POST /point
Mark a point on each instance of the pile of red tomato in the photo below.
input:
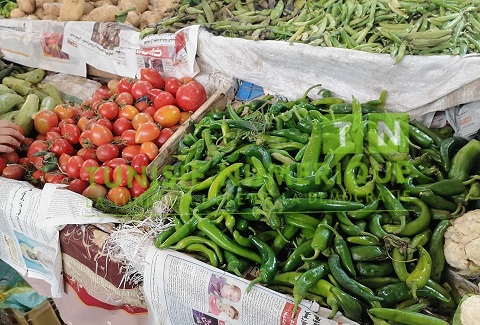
(102, 148)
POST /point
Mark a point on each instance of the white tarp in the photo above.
(417, 85)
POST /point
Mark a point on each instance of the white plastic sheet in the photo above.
(417, 85)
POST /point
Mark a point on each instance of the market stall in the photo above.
(335, 196)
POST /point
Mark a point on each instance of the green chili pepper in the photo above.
(446, 187)
(406, 317)
(394, 293)
(378, 282)
(221, 178)
(376, 222)
(205, 252)
(281, 240)
(184, 207)
(200, 172)
(260, 153)
(321, 237)
(295, 258)
(301, 220)
(399, 264)
(244, 241)
(436, 136)
(422, 238)
(367, 211)
(291, 134)
(413, 227)
(317, 205)
(312, 150)
(417, 136)
(222, 240)
(368, 253)
(447, 149)
(364, 240)
(436, 201)
(350, 285)
(421, 273)
(234, 264)
(241, 224)
(161, 237)
(435, 249)
(393, 206)
(341, 248)
(351, 307)
(185, 230)
(269, 263)
(464, 160)
(383, 268)
(306, 281)
(350, 178)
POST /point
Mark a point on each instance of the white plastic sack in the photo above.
(417, 85)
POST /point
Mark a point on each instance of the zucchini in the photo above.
(9, 101)
(5, 90)
(24, 117)
(9, 116)
(48, 103)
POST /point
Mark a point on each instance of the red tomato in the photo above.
(165, 134)
(139, 163)
(52, 135)
(66, 121)
(100, 134)
(167, 116)
(125, 85)
(164, 98)
(65, 111)
(86, 106)
(140, 88)
(87, 153)
(25, 162)
(63, 160)
(101, 93)
(150, 149)
(150, 110)
(152, 93)
(138, 187)
(62, 146)
(14, 172)
(124, 98)
(152, 76)
(77, 185)
(38, 177)
(119, 195)
(83, 122)
(89, 167)
(85, 139)
(141, 105)
(103, 175)
(95, 191)
(185, 80)
(108, 110)
(107, 152)
(71, 132)
(123, 175)
(40, 137)
(37, 147)
(3, 163)
(12, 157)
(105, 122)
(128, 111)
(55, 178)
(115, 162)
(172, 84)
(191, 96)
(141, 118)
(74, 164)
(44, 121)
(120, 125)
(130, 152)
(128, 137)
(147, 132)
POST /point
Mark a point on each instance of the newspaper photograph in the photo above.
(30, 220)
(181, 290)
(38, 44)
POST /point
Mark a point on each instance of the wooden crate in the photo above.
(165, 154)
(45, 314)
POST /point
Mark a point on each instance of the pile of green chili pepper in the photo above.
(6, 6)
(348, 219)
(381, 26)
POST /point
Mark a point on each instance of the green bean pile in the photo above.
(337, 221)
(397, 27)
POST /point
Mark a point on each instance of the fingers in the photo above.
(6, 149)
(9, 129)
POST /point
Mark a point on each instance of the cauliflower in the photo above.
(462, 244)
(467, 311)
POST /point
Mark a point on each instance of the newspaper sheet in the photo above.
(30, 220)
(38, 44)
(118, 49)
(181, 290)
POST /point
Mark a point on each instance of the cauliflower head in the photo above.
(467, 311)
(462, 244)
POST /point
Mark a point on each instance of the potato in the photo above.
(103, 14)
(87, 8)
(72, 10)
(16, 13)
(40, 3)
(140, 5)
(133, 18)
(52, 9)
(149, 17)
(50, 17)
(102, 3)
(27, 6)
(39, 12)
(32, 17)
(164, 5)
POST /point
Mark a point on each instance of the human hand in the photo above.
(10, 137)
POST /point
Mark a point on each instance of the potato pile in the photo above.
(142, 12)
